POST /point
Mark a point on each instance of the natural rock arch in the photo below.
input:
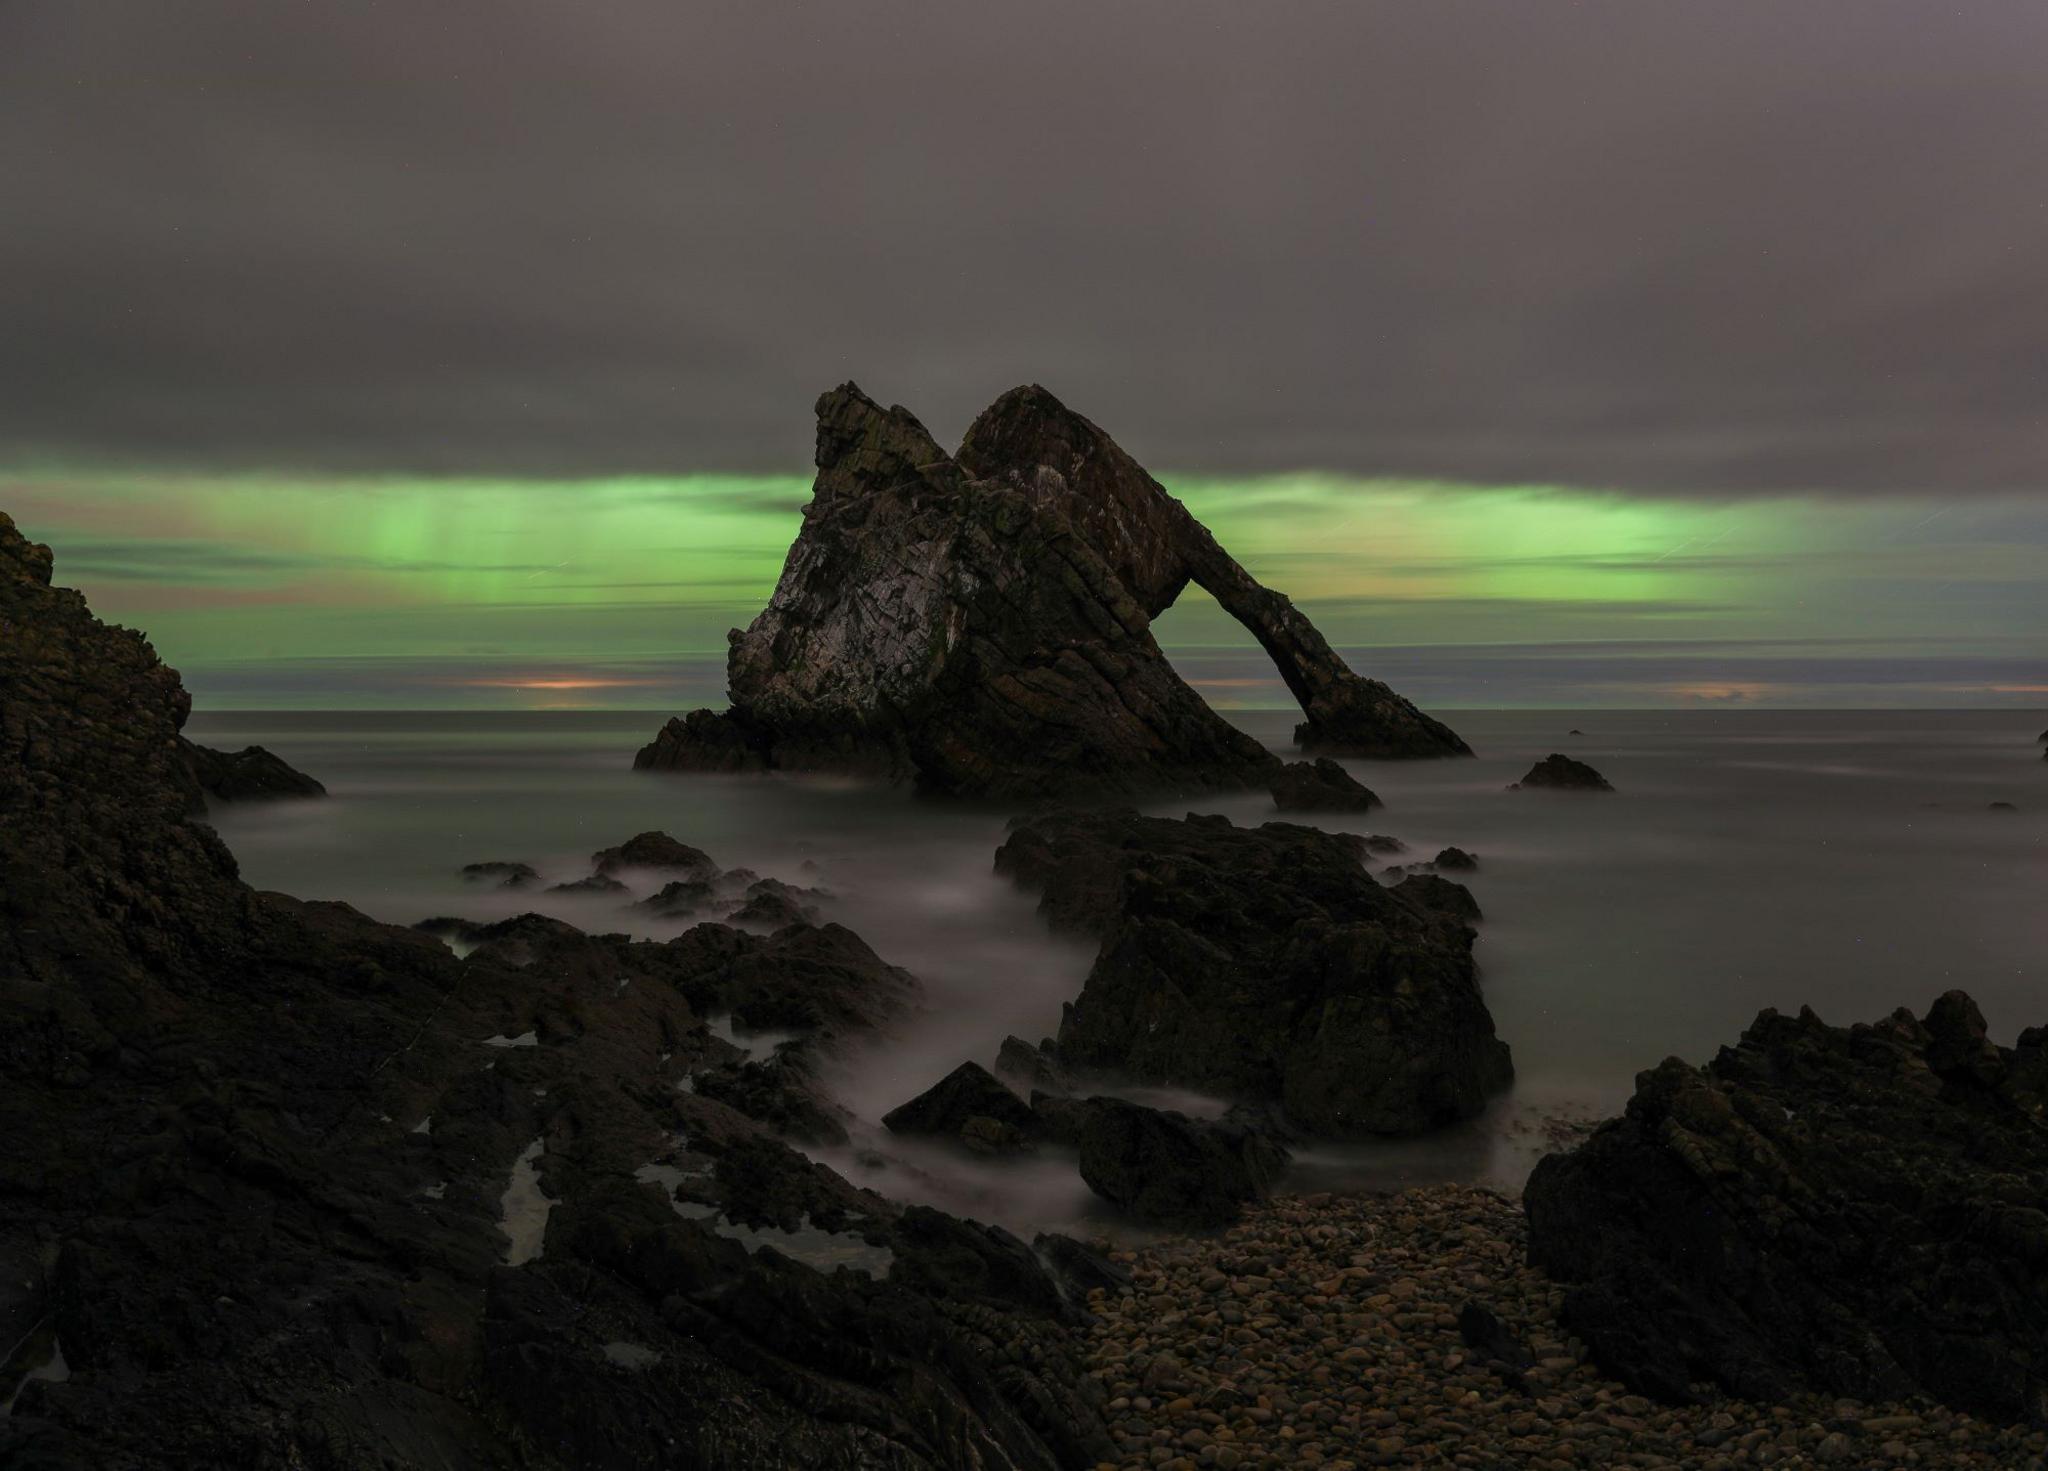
(982, 622)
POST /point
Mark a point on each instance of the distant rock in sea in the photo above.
(1852, 1211)
(1320, 785)
(252, 774)
(1562, 773)
(1264, 964)
(982, 623)
(1454, 860)
(507, 875)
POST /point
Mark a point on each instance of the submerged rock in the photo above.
(1163, 1167)
(506, 875)
(1266, 964)
(1562, 773)
(252, 774)
(271, 1163)
(982, 623)
(968, 1107)
(1319, 786)
(1855, 1211)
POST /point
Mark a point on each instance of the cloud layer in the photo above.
(1680, 248)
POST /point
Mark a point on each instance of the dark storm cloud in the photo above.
(1725, 245)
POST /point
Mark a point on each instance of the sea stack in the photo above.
(981, 623)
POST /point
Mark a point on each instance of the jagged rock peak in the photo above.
(983, 623)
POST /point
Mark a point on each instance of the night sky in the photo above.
(1620, 354)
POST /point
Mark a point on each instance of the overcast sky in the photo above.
(1711, 247)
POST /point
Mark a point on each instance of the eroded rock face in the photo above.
(298, 1189)
(982, 623)
(1263, 964)
(1850, 1210)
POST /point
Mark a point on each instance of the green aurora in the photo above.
(362, 592)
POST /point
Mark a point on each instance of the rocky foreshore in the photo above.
(1326, 1332)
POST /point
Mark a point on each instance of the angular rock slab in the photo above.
(1856, 1211)
(983, 624)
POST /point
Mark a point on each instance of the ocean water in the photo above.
(1850, 861)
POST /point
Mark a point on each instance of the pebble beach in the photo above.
(1324, 1331)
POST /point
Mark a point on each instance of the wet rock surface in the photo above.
(252, 774)
(1263, 964)
(982, 623)
(1338, 1332)
(295, 1189)
(1320, 786)
(1561, 773)
(1845, 1210)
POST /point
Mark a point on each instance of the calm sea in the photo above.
(1850, 861)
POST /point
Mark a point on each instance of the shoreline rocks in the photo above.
(1320, 785)
(1846, 1210)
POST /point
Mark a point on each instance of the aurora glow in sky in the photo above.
(1592, 354)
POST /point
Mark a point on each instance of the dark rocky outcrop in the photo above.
(597, 883)
(1262, 964)
(968, 1107)
(1319, 786)
(1454, 860)
(1032, 1069)
(1561, 773)
(1163, 1167)
(502, 874)
(252, 774)
(982, 623)
(1856, 1211)
(295, 1189)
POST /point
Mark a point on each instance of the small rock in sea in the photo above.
(655, 850)
(508, 875)
(2003, 807)
(1394, 871)
(1561, 773)
(1320, 785)
(251, 774)
(1575, 731)
(1457, 860)
(1381, 843)
(969, 1107)
(597, 883)
(676, 899)
(772, 905)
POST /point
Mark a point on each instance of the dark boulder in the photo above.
(1455, 860)
(1320, 785)
(252, 774)
(1165, 1168)
(658, 852)
(982, 623)
(504, 875)
(1494, 1344)
(968, 1107)
(1263, 964)
(1851, 1211)
(1561, 773)
(678, 899)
